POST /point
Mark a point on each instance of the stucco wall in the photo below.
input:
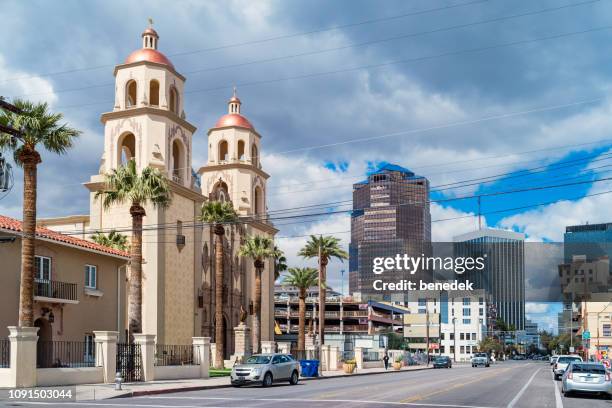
(69, 376)
(72, 321)
(176, 372)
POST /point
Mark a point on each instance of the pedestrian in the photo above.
(386, 361)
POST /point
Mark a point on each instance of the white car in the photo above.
(265, 369)
(586, 377)
(562, 362)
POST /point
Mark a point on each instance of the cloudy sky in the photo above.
(455, 90)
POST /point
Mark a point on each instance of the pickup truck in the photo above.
(480, 359)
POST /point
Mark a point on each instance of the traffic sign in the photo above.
(586, 335)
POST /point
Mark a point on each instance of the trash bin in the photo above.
(309, 368)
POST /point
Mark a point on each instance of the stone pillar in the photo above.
(333, 358)
(242, 343)
(309, 340)
(359, 357)
(201, 354)
(284, 347)
(268, 347)
(23, 356)
(324, 357)
(147, 351)
(106, 353)
(213, 355)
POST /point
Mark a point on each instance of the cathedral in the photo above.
(148, 123)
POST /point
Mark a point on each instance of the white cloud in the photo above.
(18, 82)
(444, 231)
(533, 307)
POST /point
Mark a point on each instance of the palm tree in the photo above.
(113, 240)
(257, 248)
(38, 127)
(280, 262)
(323, 248)
(126, 185)
(217, 213)
(303, 279)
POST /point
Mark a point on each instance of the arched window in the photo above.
(127, 148)
(254, 155)
(178, 162)
(241, 150)
(223, 151)
(154, 93)
(258, 201)
(130, 94)
(174, 100)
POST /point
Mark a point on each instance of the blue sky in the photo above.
(464, 104)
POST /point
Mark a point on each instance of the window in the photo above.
(422, 311)
(130, 94)
(607, 330)
(467, 312)
(241, 150)
(452, 336)
(422, 302)
(462, 350)
(42, 268)
(441, 336)
(452, 349)
(91, 277)
(254, 155)
(481, 312)
(481, 301)
(461, 336)
(154, 93)
(466, 301)
(174, 102)
(90, 354)
(467, 321)
(223, 151)
(473, 336)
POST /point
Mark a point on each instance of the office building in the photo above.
(503, 278)
(390, 216)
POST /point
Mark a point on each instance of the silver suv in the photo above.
(265, 369)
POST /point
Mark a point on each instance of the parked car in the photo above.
(442, 362)
(480, 359)
(553, 360)
(586, 377)
(265, 369)
(562, 362)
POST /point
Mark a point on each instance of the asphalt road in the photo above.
(509, 384)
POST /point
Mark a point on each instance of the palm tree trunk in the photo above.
(219, 329)
(322, 281)
(257, 308)
(30, 160)
(135, 279)
(302, 320)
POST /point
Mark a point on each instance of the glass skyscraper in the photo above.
(591, 240)
(390, 216)
(503, 278)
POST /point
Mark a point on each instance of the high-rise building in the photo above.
(503, 278)
(594, 241)
(390, 216)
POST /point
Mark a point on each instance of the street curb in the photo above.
(212, 387)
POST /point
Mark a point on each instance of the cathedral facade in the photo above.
(148, 124)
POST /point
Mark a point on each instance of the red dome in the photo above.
(150, 55)
(234, 119)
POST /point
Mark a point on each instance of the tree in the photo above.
(257, 248)
(126, 185)
(491, 345)
(302, 279)
(38, 127)
(280, 262)
(323, 248)
(113, 240)
(218, 213)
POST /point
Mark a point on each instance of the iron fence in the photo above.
(129, 362)
(371, 356)
(348, 355)
(58, 354)
(5, 353)
(176, 355)
(306, 354)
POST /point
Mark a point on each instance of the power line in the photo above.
(339, 48)
(264, 40)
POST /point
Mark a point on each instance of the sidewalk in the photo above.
(105, 391)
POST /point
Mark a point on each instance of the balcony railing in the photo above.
(55, 290)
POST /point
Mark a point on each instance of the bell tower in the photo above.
(148, 124)
(234, 170)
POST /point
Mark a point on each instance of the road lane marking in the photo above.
(458, 385)
(558, 400)
(93, 404)
(409, 404)
(522, 391)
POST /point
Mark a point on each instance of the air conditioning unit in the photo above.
(180, 240)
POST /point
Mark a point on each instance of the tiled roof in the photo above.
(12, 224)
